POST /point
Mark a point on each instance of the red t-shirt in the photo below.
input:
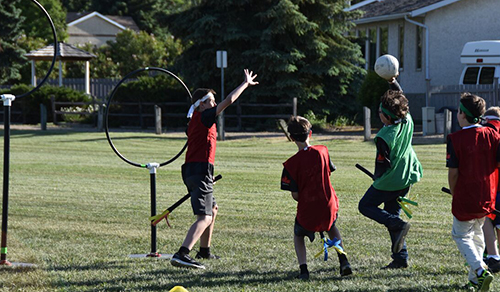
(474, 152)
(202, 137)
(308, 173)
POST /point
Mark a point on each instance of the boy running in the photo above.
(198, 170)
(307, 176)
(472, 157)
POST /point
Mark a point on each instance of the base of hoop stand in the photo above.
(152, 255)
(6, 263)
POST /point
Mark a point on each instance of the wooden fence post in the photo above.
(54, 116)
(367, 124)
(158, 119)
(294, 106)
(100, 117)
(43, 117)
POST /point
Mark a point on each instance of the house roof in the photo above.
(122, 22)
(380, 10)
(66, 53)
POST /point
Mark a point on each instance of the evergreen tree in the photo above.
(37, 25)
(11, 55)
(297, 47)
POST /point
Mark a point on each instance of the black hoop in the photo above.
(107, 114)
(56, 50)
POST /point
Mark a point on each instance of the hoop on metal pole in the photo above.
(152, 166)
(7, 103)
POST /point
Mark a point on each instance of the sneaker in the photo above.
(493, 265)
(484, 281)
(210, 256)
(396, 265)
(303, 276)
(397, 246)
(471, 286)
(185, 261)
(345, 269)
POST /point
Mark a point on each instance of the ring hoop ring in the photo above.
(106, 126)
(56, 50)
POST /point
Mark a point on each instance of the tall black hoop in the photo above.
(106, 125)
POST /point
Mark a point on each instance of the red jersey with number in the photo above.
(475, 150)
(308, 173)
(202, 137)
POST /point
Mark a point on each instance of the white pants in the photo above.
(470, 242)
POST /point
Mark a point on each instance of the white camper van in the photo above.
(482, 62)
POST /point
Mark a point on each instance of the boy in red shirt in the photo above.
(472, 157)
(307, 176)
(198, 170)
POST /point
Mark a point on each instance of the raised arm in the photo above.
(233, 96)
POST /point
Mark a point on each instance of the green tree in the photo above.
(297, 47)
(11, 55)
(37, 25)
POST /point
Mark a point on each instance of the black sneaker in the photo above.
(303, 276)
(396, 265)
(493, 265)
(210, 256)
(345, 269)
(484, 281)
(185, 261)
(397, 246)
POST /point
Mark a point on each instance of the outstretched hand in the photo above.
(249, 77)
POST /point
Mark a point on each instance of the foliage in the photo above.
(371, 90)
(11, 55)
(298, 48)
(30, 105)
(37, 25)
(130, 51)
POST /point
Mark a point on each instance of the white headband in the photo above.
(493, 118)
(197, 104)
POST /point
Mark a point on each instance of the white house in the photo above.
(96, 28)
(427, 36)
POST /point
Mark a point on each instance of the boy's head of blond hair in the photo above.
(299, 128)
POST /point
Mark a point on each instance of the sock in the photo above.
(342, 258)
(204, 251)
(183, 251)
(303, 269)
(496, 257)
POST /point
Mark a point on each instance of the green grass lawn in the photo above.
(77, 211)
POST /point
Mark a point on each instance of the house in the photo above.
(96, 28)
(427, 36)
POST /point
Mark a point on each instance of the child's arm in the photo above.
(452, 178)
(233, 96)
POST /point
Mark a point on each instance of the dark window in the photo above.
(420, 32)
(384, 40)
(401, 46)
(470, 76)
(487, 75)
(372, 35)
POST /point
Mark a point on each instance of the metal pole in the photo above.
(152, 174)
(7, 102)
(221, 116)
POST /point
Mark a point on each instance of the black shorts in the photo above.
(198, 178)
(300, 231)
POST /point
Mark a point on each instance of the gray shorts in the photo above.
(200, 187)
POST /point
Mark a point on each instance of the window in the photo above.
(470, 76)
(487, 75)
(419, 42)
(401, 46)
(361, 41)
(384, 40)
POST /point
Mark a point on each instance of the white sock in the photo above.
(496, 257)
(479, 271)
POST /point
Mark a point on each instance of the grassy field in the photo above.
(77, 211)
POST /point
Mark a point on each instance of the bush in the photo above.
(29, 106)
(371, 90)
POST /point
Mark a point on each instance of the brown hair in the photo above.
(201, 92)
(493, 111)
(395, 102)
(299, 128)
(474, 104)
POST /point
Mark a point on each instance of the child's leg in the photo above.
(196, 230)
(490, 237)
(206, 237)
(345, 267)
(468, 236)
(300, 249)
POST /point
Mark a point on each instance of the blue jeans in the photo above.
(389, 216)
